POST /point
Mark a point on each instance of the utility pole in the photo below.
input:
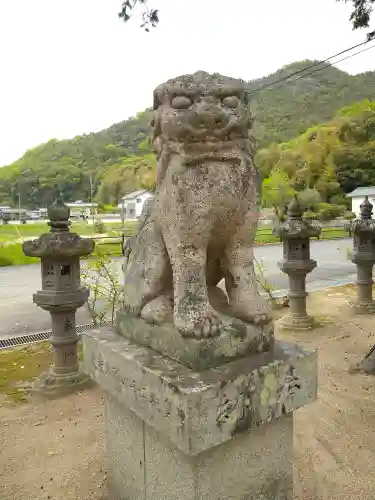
(91, 194)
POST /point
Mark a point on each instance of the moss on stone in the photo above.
(19, 366)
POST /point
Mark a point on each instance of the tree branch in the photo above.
(150, 17)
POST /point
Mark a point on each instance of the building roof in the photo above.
(135, 194)
(81, 204)
(362, 191)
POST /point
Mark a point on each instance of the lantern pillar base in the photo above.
(52, 386)
(295, 322)
(362, 307)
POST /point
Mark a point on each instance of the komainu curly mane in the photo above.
(200, 227)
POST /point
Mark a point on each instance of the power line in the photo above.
(327, 66)
(309, 67)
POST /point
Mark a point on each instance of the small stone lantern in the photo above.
(363, 231)
(61, 295)
(295, 234)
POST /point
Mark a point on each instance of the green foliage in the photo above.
(99, 226)
(65, 166)
(287, 109)
(310, 215)
(309, 198)
(327, 212)
(150, 17)
(19, 366)
(327, 160)
(361, 14)
(101, 277)
(276, 191)
(349, 216)
(11, 254)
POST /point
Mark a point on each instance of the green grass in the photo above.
(265, 236)
(11, 254)
(21, 365)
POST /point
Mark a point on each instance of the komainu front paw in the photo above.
(197, 324)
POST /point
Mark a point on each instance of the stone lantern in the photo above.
(363, 231)
(295, 234)
(61, 295)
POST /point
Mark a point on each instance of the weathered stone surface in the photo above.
(144, 464)
(59, 243)
(201, 225)
(200, 410)
(52, 386)
(198, 354)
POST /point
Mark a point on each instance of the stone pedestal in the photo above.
(364, 304)
(297, 318)
(220, 433)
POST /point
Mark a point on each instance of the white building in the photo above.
(80, 207)
(132, 203)
(358, 196)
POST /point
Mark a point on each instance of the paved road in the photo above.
(18, 314)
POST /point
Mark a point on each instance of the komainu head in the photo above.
(201, 109)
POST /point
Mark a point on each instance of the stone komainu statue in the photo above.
(201, 225)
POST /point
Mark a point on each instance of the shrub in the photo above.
(99, 226)
(108, 209)
(102, 277)
(310, 215)
(349, 216)
(327, 212)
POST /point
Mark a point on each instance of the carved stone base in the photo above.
(362, 307)
(198, 354)
(51, 386)
(291, 322)
(224, 432)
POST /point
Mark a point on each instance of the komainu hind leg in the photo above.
(147, 271)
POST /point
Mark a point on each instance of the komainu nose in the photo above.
(210, 118)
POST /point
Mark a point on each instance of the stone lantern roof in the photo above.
(296, 226)
(60, 242)
(365, 223)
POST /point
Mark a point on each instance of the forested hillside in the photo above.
(324, 162)
(119, 158)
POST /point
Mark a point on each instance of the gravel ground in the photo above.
(56, 450)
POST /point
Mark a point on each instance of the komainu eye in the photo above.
(230, 101)
(181, 102)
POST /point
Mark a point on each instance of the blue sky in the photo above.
(71, 67)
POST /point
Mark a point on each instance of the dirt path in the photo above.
(57, 450)
(54, 451)
(334, 437)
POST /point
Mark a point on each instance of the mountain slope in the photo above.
(287, 109)
(282, 112)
